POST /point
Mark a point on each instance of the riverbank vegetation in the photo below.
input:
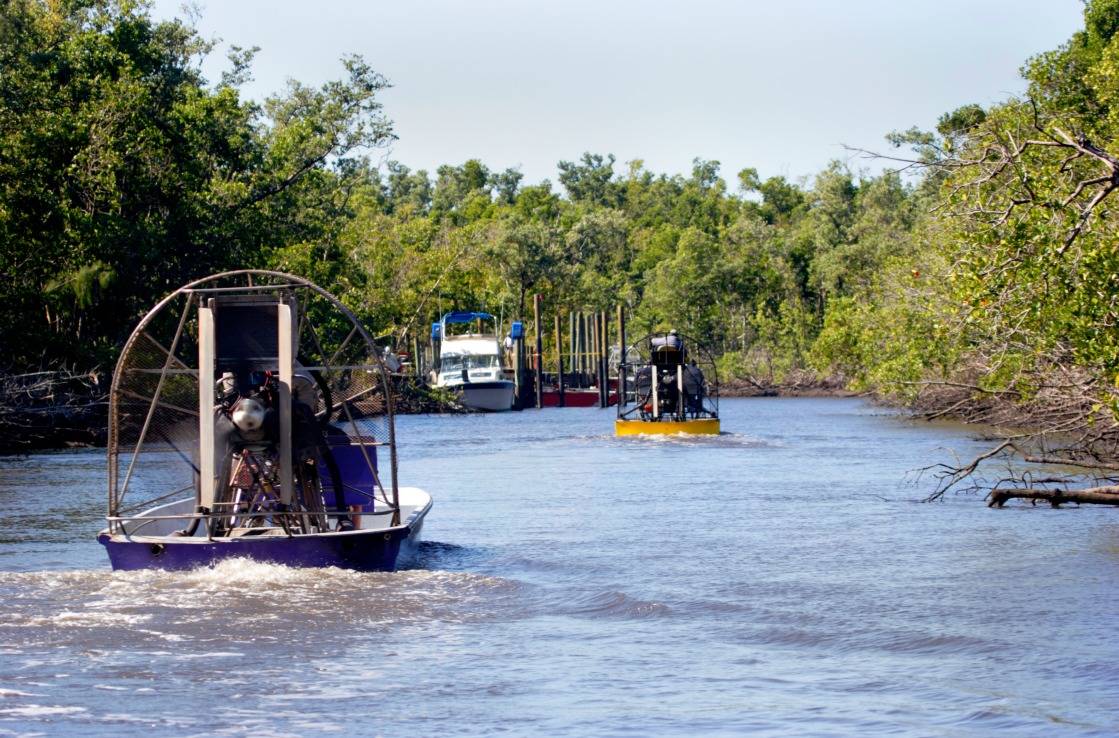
(978, 278)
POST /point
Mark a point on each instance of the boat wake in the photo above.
(611, 604)
(255, 598)
(722, 440)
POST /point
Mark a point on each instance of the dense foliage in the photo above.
(1022, 242)
(124, 173)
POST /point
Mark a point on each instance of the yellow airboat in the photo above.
(668, 385)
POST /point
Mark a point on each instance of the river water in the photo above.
(779, 579)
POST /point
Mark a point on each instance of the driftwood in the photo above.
(1056, 497)
(1058, 443)
(56, 409)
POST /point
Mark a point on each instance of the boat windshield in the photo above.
(458, 362)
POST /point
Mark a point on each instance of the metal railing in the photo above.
(118, 522)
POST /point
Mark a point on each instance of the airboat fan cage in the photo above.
(199, 339)
(668, 376)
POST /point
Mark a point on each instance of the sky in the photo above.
(779, 85)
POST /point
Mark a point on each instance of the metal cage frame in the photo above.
(631, 405)
(244, 281)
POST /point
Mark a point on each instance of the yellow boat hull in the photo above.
(701, 426)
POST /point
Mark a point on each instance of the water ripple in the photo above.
(613, 604)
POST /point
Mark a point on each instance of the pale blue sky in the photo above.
(778, 86)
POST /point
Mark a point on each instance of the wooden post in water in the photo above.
(622, 355)
(575, 345)
(603, 360)
(588, 344)
(559, 361)
(581, 344)
(592, 359)
(571, 337)
(589, 348)
(606, 357)
(538, 363)
(596, 355)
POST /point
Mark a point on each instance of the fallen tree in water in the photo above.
(1057, 497)
(52, 409)
(1070, 454)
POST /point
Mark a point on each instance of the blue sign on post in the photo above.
(517, 330)
(435, 332)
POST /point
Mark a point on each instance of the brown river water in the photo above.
(779, 579)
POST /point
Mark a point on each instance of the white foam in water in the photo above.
(194, 655)
(15, 693)
(88, 619)
(700, 440)
(236, 576)
(33, 711)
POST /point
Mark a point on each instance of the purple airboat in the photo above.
(251, 416)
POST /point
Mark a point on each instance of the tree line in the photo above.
(980, 273)
(125, 173)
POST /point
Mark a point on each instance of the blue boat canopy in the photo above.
(465, 317)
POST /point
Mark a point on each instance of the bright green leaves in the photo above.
(85, 284)
(118, 163)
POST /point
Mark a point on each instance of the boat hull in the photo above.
(496, 396)
(699, 426)
(576, 398)
(384, 549)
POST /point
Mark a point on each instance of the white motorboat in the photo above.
(470, 361)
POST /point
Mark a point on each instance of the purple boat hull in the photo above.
(371, 550)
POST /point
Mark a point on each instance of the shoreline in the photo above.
(799, 387)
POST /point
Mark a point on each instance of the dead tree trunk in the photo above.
(1057, 497)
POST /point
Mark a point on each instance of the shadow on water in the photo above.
(439, 555)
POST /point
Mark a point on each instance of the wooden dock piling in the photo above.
(603, 360)
(538, 363)
(622, 355)
(571, 339)
(582, 343)
(559, 362)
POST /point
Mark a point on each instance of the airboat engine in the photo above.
(252, 338)
(248, 415)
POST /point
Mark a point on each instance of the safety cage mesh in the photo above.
(154, 414)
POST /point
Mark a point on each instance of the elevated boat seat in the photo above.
(358, 483)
